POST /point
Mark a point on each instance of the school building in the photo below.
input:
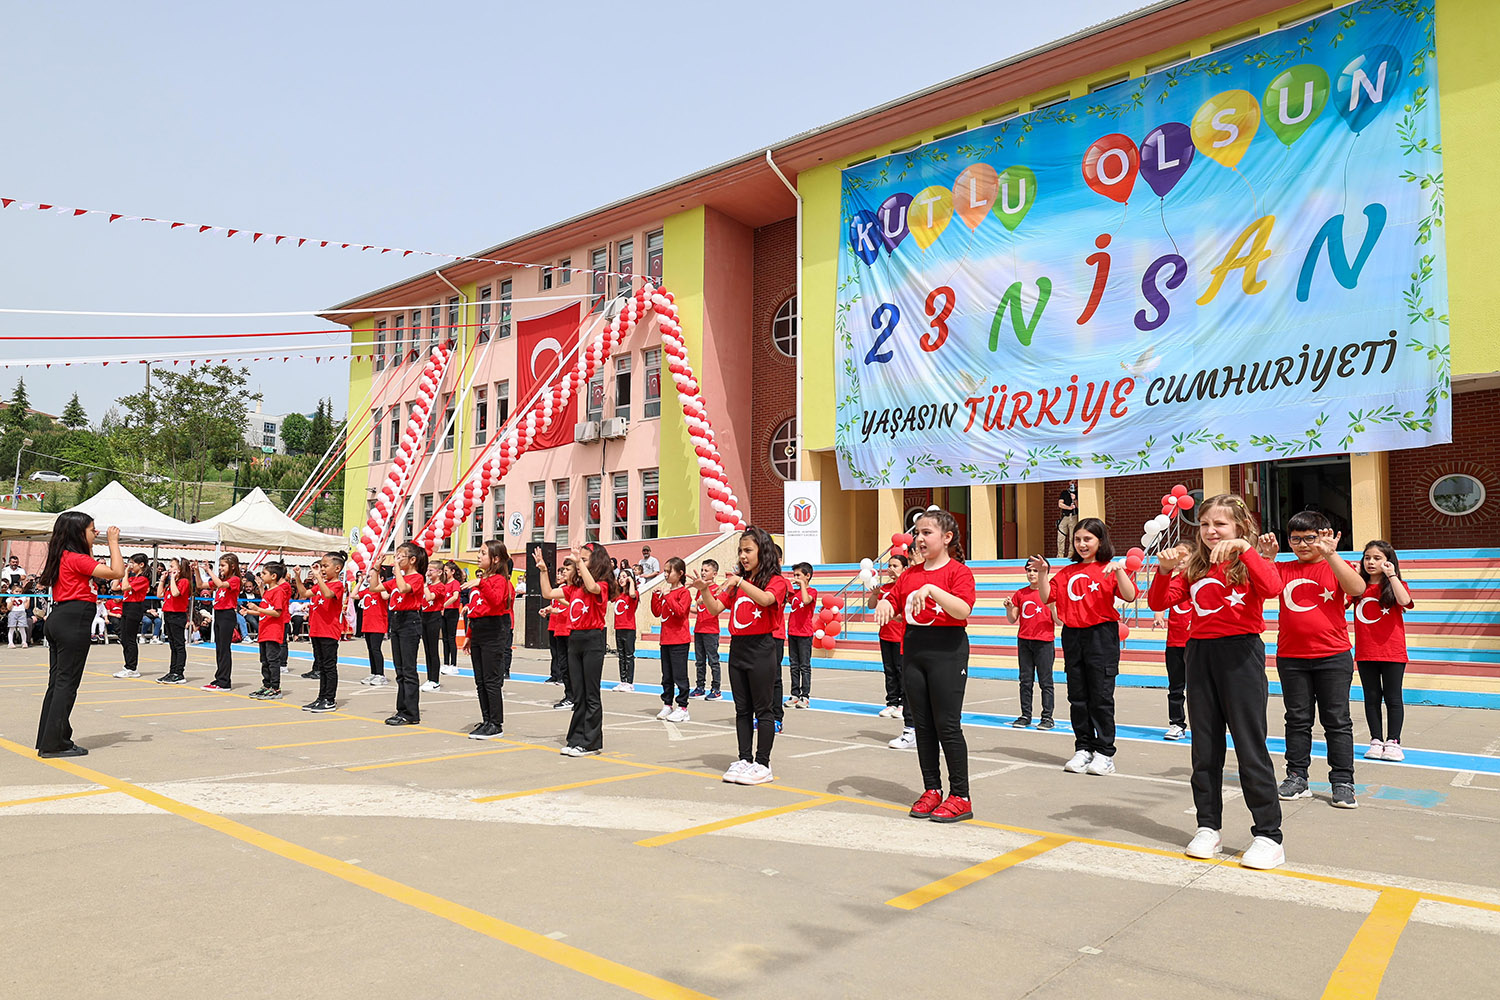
(750, 250)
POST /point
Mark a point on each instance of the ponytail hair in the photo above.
(500, 561)
(945, 522)
(1387, 593)
(68, 535)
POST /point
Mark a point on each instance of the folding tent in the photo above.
(256, 522)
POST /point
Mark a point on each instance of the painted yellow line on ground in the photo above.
(56, 798)
(347, 739)
(569, 786)
(725, 824)
(1363, 966)
(266, 725)
(124, 701)
(967, 877)
(433, 760)
(196, 711)
(576, 959)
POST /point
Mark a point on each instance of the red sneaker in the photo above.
(952, 810)
(924, 806)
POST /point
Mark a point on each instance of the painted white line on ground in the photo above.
(819, 753)
(999, 770)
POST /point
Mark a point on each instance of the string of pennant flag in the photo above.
(275, 239)
(209, 360)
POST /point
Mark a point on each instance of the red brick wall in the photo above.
(1475, 451)
(774, 374)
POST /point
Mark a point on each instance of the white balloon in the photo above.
(864, 564)
(818, 634)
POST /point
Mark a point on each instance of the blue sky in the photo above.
(448, 128)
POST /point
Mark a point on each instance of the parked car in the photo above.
(48, 477)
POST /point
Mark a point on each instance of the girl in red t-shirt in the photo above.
(754, 596)
(936, 599)
(625, 607)
(891, 634)
(558, 629)
(453, 580)
(1226, 583)
(175, 588)
(588, 591)
(405, 590)
(374, 623)
(1380, 646)
(137, 583)
(433, 598)
(1085, 597)
(1036, 647)
(70, 571)
(226, 584)
(673, 605)
(491, 634)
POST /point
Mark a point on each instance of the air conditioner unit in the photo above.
(586, 433)
(614, 428)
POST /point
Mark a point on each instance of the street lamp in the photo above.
(15, 490)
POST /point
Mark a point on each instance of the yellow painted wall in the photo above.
(357, 472)
(683, 248)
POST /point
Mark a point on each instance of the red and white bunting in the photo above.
(8, 497)
(316, 359)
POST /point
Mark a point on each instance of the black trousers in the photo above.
(432, 639)
(706, 655)
(674, 673)
(130, 633)
(406, 636)
(272, 663)
(326, 663)
(585, 671)
(375, 648)
(1176, 686)
(778, 695)
(490, 642)
(450, 637)
(754, 669)
(800, 647)
(935, 672)
(559, 646)
(1381, 681)
(1091, 657)
(1321, 683)
(625, 647)
(1226, 689)
(174, 623)
(1036, 658)
(224, 625)
(67, 653)
(895, 691)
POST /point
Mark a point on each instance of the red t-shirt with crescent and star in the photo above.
(1084, 594)
(748, 618)
(1035, 617)
(705, 623)
(585, 610)
(1312, 623)
(673, 608)
(1219, 608)
(75, 578)
(1179, 624)
(625, 606)
(895, 629)
(137, 593)
(1379, 633)
(227, 597)
(799, 621)
(175, 599)
(374, 611)
(557, 621)
(411, 600)
(326, 618)
(273, 627)
(952, 577)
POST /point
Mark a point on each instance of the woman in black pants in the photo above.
(70, 571)
(453, 579)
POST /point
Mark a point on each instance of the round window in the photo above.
(784, 450)
(784, 328)
(1190, 516)
(1456, 495)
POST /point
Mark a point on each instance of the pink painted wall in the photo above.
(726, 367)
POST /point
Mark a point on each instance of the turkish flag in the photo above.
(539, 514)
(650, 504)
(562, 512)
(594, 510)
(541, 343)
(622, 509)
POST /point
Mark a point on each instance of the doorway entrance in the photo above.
(1321, 483)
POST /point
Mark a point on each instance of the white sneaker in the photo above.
(450, 671)
(571, 751)
(906, 741)
(1392, 751)
(1262, 854)
(127, 673)
(431, 686)
(625, 686)
(1079, 762)
(665, 713)
(680, 715)
(1101, 765)
(735, 770)
(756, 774)
(1205, 843)
(885, 713)
(1376, 750)
(1174, 732)
(379, 680)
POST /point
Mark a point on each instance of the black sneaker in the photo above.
(321, 705)
(696, 693)
(400, 720)
(1343, 796)
(73, 751)
(311, 675)
(486, 731)
(166, 678)
(1020, 723)
(1046, 723)
(564, 703)
(261, 694)
(1294, 787)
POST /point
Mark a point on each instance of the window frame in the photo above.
(650, 485)
(650, 362)
(380, 345)
(376, 427)
(1432, 494)
(503, 319)
(619, 530)
(593, 493)
(486, 304)
(785, 327)
(788, 427)
(481, 415)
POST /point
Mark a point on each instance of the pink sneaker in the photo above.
(1392, 751)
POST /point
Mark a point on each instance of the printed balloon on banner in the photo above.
(1224, 126)
(892, 213)
(862, 236)
(1294, 100)
(1166, 154)
(974, 192)
(1015, 195)
(1110, 166)
(931, 211)
(1367, 85)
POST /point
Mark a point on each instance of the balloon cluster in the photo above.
(901, 543)
(404, 466)
(1178, 499)
(829, 621)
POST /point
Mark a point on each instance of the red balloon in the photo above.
(833, 601)
(1166, 500)
(1169, 509)
(1179, 490)
(1124, 631)
(1110, 166)
(827, 642)
(906, 541)
(1133, 562)
(833, 627)
(1185, 502)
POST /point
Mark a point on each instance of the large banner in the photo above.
(1236, 258)
(542, 343)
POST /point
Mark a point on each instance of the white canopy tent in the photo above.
(256, 522)
(115, 505)
(22, 524)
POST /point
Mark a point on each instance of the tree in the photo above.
(73, 415)
(320, 435)
(18, 416)
(295, 432)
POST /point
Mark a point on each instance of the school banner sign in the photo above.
(1236, 258)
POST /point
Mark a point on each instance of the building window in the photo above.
(416, 334)
(651, 399)
(565, 271)
(434, 324)
(497, 500)
(375, 437)
(427, 502)
(599, 264)
(504, 323)
(485, 306)
(655, 242)
(448, 422)
(621, 498)
(561, 505)
(1190, 516)
(380, 346)
(784, 328)
(447, 543)
(398, 339)
(594, 410)
(408, 526)
(593, 488)
(1456, 495)
(784, 450)
(625, 265)
(395, 443)
(269, 427)
(268, 440)
(502, 402)
(546, 278)
(538, 512)
(481, 414)
(622, 386)
(453, 329)
(476, 527)
(649, 480)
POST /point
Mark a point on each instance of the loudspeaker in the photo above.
(537, 636)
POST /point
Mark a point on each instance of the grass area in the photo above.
(217, 498)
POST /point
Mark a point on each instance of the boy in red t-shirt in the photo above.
(1314, 657)
(325, 625)
(706, 638)
(275, 598)
(800, 626)
(1036, 645)
(1176, 620)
